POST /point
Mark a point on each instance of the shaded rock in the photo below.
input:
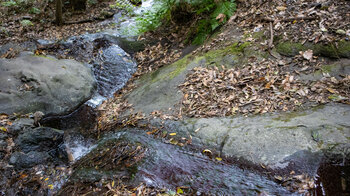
(131, 45)
(25, 46)
(20, 124)
(3, 142)
(335, 179)
(136, 157)
(40, 139)
(27, 160)
(37, 83)
(38, 146)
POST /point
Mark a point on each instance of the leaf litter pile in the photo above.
(258, 87)
(298, 21)
(273, 84)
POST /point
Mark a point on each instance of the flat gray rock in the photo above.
(32, 83)
(276, 140)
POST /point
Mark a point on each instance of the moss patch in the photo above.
(234, 51)
(344, 49)
(289, 48)
(327, 68)
(46, 57)
(180, 66)
(289, 116)
(332, 50)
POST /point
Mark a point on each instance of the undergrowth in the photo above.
(207, 15)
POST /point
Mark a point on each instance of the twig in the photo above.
(288, 19)
(271, 36)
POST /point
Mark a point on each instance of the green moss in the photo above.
(314, 109)
(328, 50)
(289, 48)
(344, 49)
(332, 50)
(340, 128)
(259, 35)
(46, 57)
(215, 56)
(180, 66)
(289, 116)
(327, 68)
(177, 68)
(212, 57)
(288, 127)
(154, 74)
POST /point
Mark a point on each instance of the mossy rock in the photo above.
(132, 45)
(339, 49)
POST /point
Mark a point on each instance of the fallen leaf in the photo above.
(308, 54)
(172, 134)
(207, 151)
(278, 178)
(179, 190)
(221, 17)
(3, 129)
(281, 8)
(331, 90)
(218, 159)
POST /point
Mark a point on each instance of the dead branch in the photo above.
(271, 36)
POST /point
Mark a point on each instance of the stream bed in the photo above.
(133, 156)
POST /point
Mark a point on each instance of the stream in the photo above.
(162, 165)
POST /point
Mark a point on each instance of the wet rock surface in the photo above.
(36, 83)
(137, 157)
(111, 65)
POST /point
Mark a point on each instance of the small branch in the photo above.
(288, 19)
(271, 36)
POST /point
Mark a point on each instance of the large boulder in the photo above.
(287, 141)
(41, 83)
(135, 157)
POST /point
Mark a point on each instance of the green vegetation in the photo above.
(21, 6)
(123, 5)
(26, 23)
(207, 16)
